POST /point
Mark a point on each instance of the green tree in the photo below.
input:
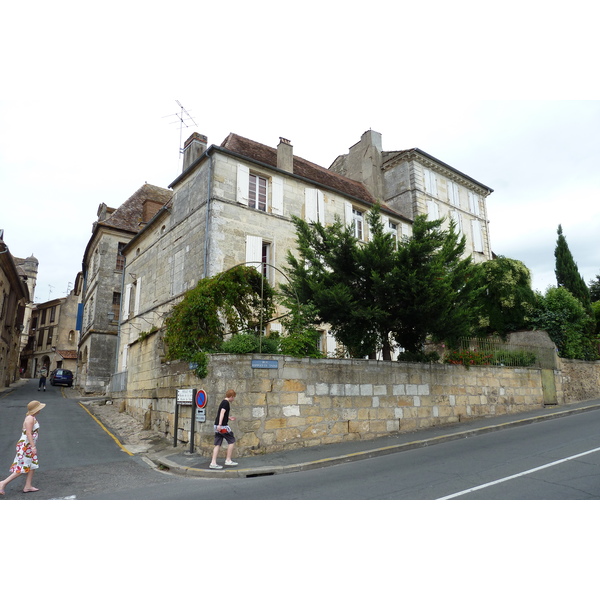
(234, 301)
(344, 281)
(434, 288)
(567, 273)
(567, 323)
(374, 294)
(504, 296)
(594, 288)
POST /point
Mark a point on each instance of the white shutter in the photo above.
(474, 203)
(321, 207)
(310, 205)
(254, 251)
(331, 344)
(430, 182)
(433, 211)
(348, 213)
(455, 216)
(126, 303)
(138, 294)
(477, 238)
(124, 358)
(453, 196)
(277, 195)
(243, 182)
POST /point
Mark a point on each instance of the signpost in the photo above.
(185, 397)
(201, 400)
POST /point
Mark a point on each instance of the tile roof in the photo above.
(303, 168)
(67, 354)
(130, 214)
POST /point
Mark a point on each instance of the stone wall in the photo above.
(581, 379)
(306, 402)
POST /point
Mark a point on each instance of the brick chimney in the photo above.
(285, 155)
(193, 148)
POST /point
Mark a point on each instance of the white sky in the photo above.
(88, 89)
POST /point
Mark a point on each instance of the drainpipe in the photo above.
(207, 228)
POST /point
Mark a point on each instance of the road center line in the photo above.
(556, 462)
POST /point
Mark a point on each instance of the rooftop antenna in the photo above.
(184, 119)
(50, 290)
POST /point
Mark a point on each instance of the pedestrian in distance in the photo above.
(223, 431)
(26, 459)
(43, 373)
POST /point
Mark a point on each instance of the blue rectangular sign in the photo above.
(265, 364)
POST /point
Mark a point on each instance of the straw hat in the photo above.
(34, 407)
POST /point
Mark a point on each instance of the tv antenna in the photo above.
(184, 119)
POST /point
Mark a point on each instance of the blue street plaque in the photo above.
(265, 364)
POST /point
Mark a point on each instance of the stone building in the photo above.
(14, 296)
(415, 183)
(29, 269)
(232, 205)
(102, 287)
(52, 342)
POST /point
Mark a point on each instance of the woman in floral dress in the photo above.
(26, 460)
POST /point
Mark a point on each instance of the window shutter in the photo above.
(124, 358)
(254, 251)
(277, 195)
(430, 182)
(331, 344)
(310, 205)
(243, 181)
(455, 216)
(321, 207)
(138, 294)
(433, 212)
(453, 196)
(348, 213)
(474, 203)
(477, 238)
(126, 303)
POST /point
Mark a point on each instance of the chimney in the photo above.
(364, 163)
(193, 149)
(285, 155)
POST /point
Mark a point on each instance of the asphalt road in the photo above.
(557, 459)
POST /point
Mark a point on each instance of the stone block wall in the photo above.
(307, 402)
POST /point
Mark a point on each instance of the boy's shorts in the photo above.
(228, 437)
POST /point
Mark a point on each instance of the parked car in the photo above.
(61, 377)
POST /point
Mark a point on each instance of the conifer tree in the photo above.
(567, 273)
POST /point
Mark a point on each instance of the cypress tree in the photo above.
(567, 273)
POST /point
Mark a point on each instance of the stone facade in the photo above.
(14, 297)
(103, 283)
(413, 183)
(306, 402)
(52, 342)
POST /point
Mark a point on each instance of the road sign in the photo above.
(201, 399)
(200, 415)
(185, 397)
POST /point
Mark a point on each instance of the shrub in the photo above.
(249, 343)
(515, 358)
(421, 357)
(468, 358)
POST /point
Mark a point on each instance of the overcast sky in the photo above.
(89, 112)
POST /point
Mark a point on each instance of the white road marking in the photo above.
(65, 498)
(556, 462)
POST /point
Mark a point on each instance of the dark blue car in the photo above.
(61, 377)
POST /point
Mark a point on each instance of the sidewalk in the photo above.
(194, 465)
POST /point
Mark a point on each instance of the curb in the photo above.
(164, 462)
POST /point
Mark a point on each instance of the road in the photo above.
(557, 459)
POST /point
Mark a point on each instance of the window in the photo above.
(474, 203)
(257, 192)
(477, 237)
(50, 335)
(433, 211)
(453, 196)
(43, 320)
(455, 216)
(314, 206)
(430, 182)
(253, 190)
(40, 340)
(52, 314)
(116, 299)
(357, 222)
(259, 254)
(120, 258)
